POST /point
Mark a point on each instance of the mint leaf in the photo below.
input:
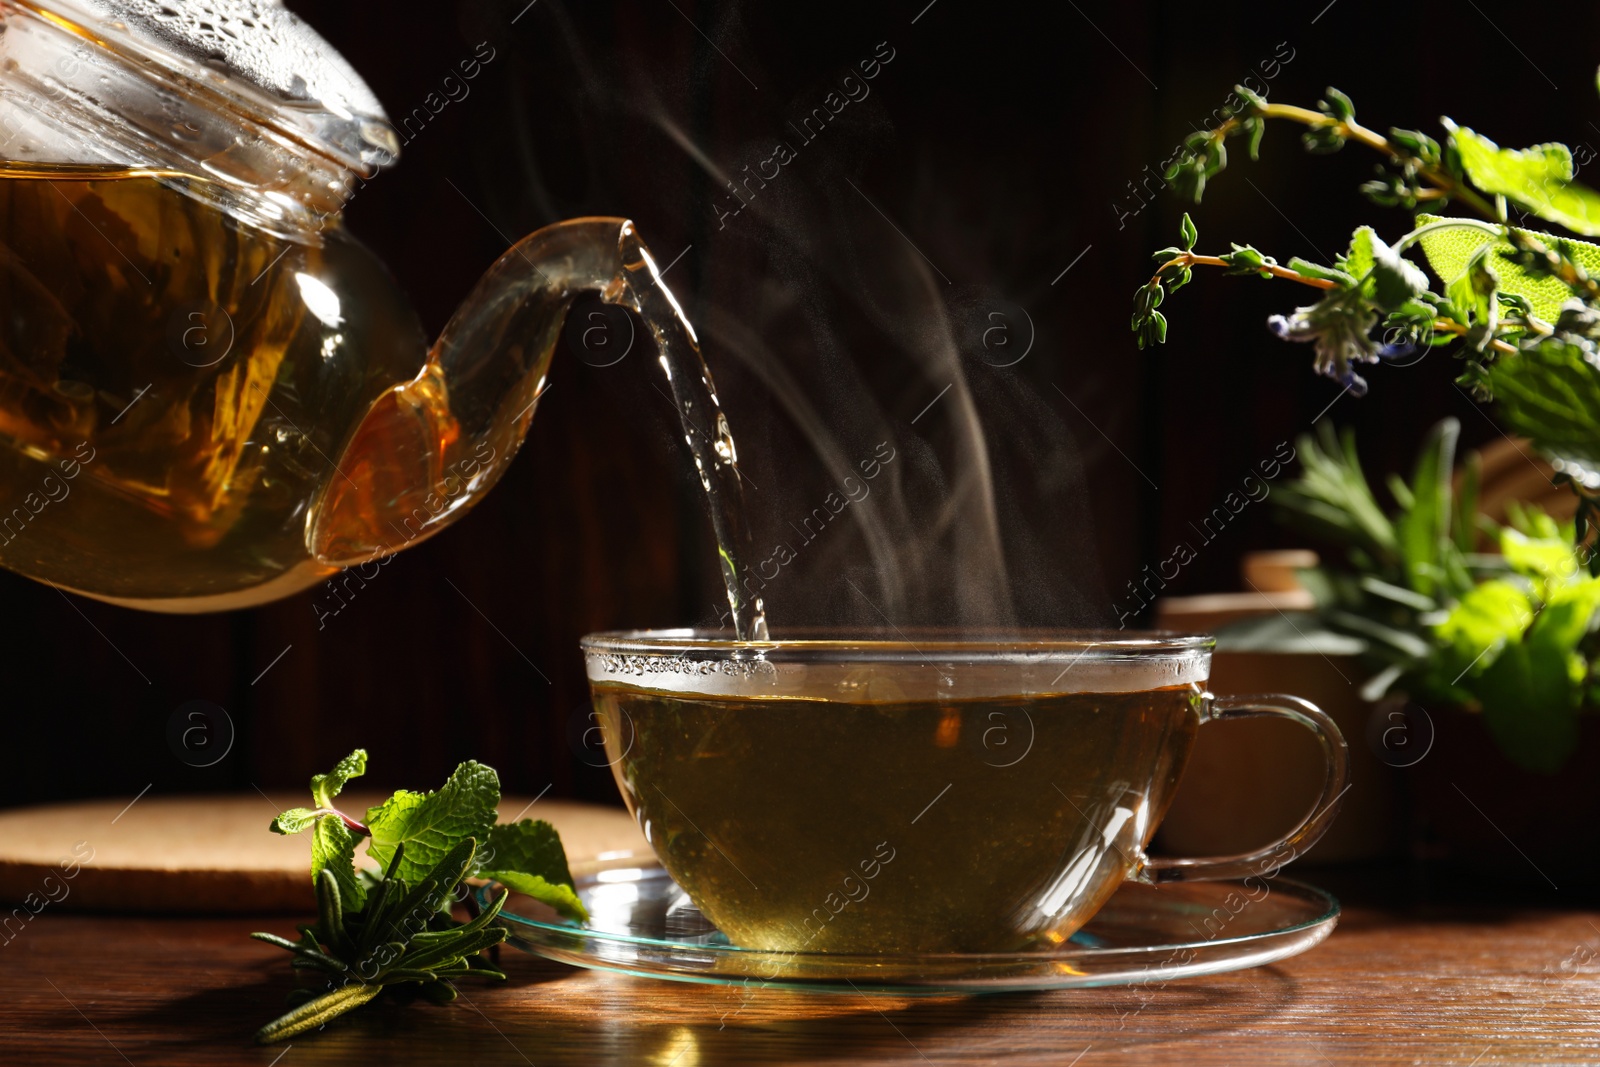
(324, 787)
(1548, 562)
(1387, 277)
(1395, 279)
(563, 898)
(527, 857)
(1488, 616)
(1358, 261)
(333, 849)
(431, 824)
(1537, 178)
(1551, 394)
(1531, 692)
(295, 820)
(1529, 704)
(1567, 617)
(1450, 251)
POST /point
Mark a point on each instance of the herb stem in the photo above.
(1188, 259)
(1447, 224)
(1446, 184)
(1447, 326)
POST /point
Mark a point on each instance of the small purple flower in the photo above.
(1339, 327)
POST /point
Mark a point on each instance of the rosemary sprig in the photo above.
(403, 933)
(375, 932)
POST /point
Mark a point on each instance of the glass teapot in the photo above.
(211, 395)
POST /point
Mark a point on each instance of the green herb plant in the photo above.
(1506, 633)
(1521, 306)
(374, 932)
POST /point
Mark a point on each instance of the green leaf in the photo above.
(1359, 260)
(563, 898)
(1490, 616)
(1374, 688)
(1450, 251)
(1331, 497)
(1337, 104)
(1254, 129)
(1423, 530)
(295, 820)
(1187, 233)
(1395, 279)
(324, 787)
(1551, 394)
(1537, 178)
(1388, 278)
(1317, 270)
(1251, 97)
(528, 857)
(1548, 561)
(1567, 618)
(411, 913)
(330, 915)
(1293, 631)
(316, 1013)
(431, 824)
(333, 849)
(1246, 259)
(1529, 705)
(1475, 293)
(1401, 643)
(1466, 504)
(1396, 594)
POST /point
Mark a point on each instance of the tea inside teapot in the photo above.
(211, 395)
(172, 383)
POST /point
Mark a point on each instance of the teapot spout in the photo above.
(430, 448)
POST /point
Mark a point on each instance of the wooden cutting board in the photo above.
(212, 853)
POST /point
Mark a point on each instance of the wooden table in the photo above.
(1464, 985)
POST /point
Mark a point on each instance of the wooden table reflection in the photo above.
(1464, 986)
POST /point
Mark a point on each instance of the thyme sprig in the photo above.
(1421, 169)
(1522, 307)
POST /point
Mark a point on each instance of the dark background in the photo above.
(1001, 141)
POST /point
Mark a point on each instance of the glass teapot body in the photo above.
(211, 395)
(176, 387)
(187, 333)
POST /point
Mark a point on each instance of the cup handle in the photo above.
(1265, 862)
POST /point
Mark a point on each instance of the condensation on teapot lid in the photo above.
(255, 45)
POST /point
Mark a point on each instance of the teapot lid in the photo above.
(257, 52)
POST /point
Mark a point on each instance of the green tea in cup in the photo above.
(934, 794)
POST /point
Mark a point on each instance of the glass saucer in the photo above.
(642, 923)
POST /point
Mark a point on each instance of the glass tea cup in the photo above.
(946, 792)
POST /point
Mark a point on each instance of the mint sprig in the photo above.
(378, 931)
